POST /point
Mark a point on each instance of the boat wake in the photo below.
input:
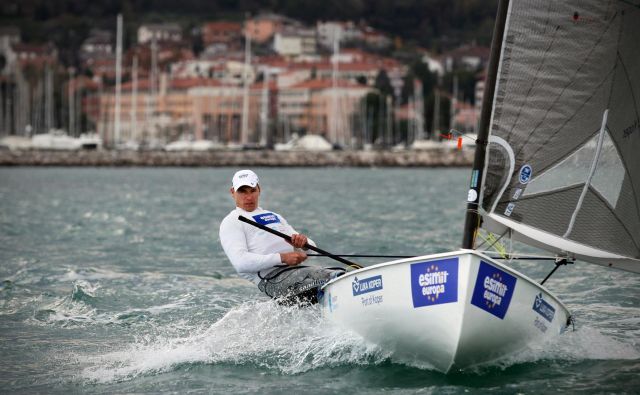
(573, 347)
(289, 340)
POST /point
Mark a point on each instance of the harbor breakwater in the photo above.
(440, 157)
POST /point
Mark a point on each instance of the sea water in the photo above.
(114, 281)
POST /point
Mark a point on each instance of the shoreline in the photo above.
(439, 157)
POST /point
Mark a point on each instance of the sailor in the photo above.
(265, 259)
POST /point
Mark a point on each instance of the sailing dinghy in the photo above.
(556, 166)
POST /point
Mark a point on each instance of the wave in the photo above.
(572, 347)
(75, 308)
(289, 340)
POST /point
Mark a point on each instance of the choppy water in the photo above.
(112, 280)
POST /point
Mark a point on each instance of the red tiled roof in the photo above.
(325, 84)
(223, 26)
(186, 83)
(177, 84)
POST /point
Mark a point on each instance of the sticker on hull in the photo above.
(543, 308)
(493, 290)
(366, 285)
(434, 282)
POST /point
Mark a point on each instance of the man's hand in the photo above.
(298, 240)
(293, 258)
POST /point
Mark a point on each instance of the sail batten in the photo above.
(562, 167)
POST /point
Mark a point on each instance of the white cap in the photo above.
(244, 177)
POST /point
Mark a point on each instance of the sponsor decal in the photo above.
(493, 290)
(313, 284)
(540, 325)
(525, 174)
(543, 308)
(371, 300)
(517, 193)
(332, 302)
(509, 209)
(474, 178)
(472, 195)
(366, 285)
(266, 219)
(434, 282)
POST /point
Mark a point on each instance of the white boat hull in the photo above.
(451, 310)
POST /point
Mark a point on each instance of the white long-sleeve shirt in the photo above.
(252, 250)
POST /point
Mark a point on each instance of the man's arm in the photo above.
(234, 243)
(298, 240)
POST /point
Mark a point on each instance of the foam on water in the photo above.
(288, 340)
(584, 344)
(291, 340)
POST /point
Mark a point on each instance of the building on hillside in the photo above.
(103, 67)
(467, 57)
(288, 78)
(223, 35)
(209, 109)
(98, 44)
(166, 53)
(195, 68)
(294, 41)
(375, 39)
(218, 113)
(34, 54)
(356, 72)
(149, 116)
(263, 27)
(433, 62)
(160, 32)
(234, 73)
(319, 107)
(327, 32)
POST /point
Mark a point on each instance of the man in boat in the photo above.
(269, 261)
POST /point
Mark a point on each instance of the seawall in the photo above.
(440, 157)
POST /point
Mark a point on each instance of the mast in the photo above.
(472, 219)
(264, 114)
(134, 101)
(388, 119)
(418, 109)
(244, 132)
(116, 121)
(333, 136)
(70, 91)
(454, 103)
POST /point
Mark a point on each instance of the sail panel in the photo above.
(567, 105)
(574, 170)
(550, 211)
(610, 229)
